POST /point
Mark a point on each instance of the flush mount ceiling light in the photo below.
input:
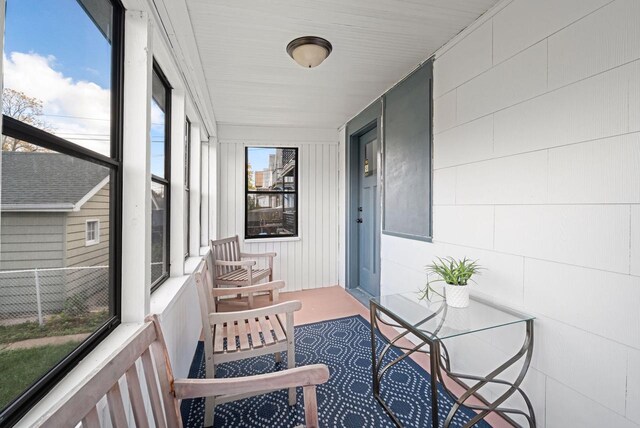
(309, 51)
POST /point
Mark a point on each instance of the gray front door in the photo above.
(368, 215)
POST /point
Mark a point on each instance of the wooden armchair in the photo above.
(233, 268)
(232, 336)
(148, 347)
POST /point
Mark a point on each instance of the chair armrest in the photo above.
(233, 291)
(280, 308)
(238, 263)
(300, 376)
(268, 256)
(249, 255)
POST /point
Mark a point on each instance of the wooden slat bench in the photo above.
(147, 347)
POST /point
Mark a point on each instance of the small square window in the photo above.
(92, 232)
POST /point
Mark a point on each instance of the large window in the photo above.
(271, 208)
(60, 197)
(160, 173)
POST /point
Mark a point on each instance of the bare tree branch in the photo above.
(26, 109)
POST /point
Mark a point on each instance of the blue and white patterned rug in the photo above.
(346, 400)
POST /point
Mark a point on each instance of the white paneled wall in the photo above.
(311, 260)
(181, 325)
(537, 175)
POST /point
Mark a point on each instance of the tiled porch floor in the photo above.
(328, 303)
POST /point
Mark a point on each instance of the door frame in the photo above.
(369, 118)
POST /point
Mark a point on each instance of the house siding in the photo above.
(48, 242)
(536, 156)
(90, 282)
(30, 241)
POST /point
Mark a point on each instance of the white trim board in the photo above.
(91, 194)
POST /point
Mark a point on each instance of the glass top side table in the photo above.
(433, 321)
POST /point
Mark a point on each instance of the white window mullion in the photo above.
(212, 193)
(204, 211)
(176, 231)
(136, 193)
(194, 208)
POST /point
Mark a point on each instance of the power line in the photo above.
(73, 117)
(83, 134)
(83, 118)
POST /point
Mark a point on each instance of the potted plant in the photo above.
(456, 275)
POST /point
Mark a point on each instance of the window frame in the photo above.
(187, 185)
(96, 232)
(282, 192)
(11, 127)
(166, 181)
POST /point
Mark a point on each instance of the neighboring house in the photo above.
(260, 179)
(54, 213)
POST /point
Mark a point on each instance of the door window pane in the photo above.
(370, 161)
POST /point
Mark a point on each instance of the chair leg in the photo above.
(278, 357)
(209, 402)
(210, 369)
(310, 406)
(292, 396)
(209, 409)
(250, 300)
(291, 363)
(291, 354)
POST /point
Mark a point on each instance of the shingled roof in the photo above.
(46, 181)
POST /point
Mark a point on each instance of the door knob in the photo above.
(359, 220)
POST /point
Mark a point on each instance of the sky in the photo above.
(54, 52)
(59, 28)
(259, 157)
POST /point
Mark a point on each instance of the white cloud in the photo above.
(76, 110)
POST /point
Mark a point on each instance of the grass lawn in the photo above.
(21, 367)
(57, 325)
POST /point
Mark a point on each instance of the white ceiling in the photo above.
(252, 80)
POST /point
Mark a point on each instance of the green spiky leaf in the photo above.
(450, 271)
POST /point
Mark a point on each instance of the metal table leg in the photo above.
(440, 363)
(525, 351)
(434, 357)
(378, 371)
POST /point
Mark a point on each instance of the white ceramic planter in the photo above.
(457, 296)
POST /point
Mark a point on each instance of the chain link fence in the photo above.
(35, 294)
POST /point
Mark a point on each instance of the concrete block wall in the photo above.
(537, 175)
